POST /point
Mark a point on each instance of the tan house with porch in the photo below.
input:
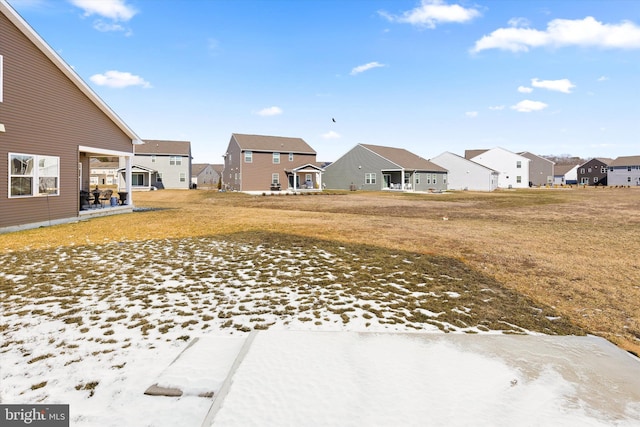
(270, 163)
(51, 125)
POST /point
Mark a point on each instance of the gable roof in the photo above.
(277, 144)
(529, 155)
(403, 158)
(626, 161)
(156, 146)
(57, 60)
(559, 170)
(470, 154)
(445, 153)
(198, 168)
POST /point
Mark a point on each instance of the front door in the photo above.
(387, 180)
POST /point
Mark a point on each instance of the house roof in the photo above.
(198, 168)
(529, 155)
(466, 160)
(563, 169)
(56, 59)
(626, 161)
(156, 146)
(276, 144)
(470, 154)
(403, 158)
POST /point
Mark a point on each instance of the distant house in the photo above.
(465, 174)
(103, 173)
(513, 168)
(51, 125)
(594, 171)
(540, 169)
(162, 164)
(375, 167)
(565, 174)
(205, 175)
(270, 163)
(624, 171)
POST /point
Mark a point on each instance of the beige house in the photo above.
(51, 125)
(270, 163)
(162, 164)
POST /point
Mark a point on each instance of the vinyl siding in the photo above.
(45, 114)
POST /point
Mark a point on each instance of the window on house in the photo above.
(518, 164)
(518, 179)
(418, 178)
(137, 179)
(248, 156)
(628, 179)
(291, 157)
(31, 175)
(153, 158)
(175, 160)
(595, 179)
(183, 177)
(275, 178)
(581, 170)
(276, 158)
(628, 168)
(369, 178)
(603, 169)
(589, 170)
(435, 178)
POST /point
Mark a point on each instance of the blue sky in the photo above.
(550, 77)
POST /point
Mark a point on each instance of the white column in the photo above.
(127, 179)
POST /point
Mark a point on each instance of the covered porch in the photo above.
(305, 178)
(399, 180)
(93, 197)
(142, 178)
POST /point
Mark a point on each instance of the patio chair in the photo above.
(105, 196)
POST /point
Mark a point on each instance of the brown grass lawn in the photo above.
(575, 250)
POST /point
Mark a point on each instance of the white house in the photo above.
(565, 174)
(466, 174)
(513, 168)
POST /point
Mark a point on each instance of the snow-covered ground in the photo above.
(95, 326)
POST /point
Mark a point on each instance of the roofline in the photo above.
(75, 78)
(380, 155)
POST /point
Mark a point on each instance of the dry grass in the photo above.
(573, 250)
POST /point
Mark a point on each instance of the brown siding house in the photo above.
(270, 163)
(51, 125)
(594, 171)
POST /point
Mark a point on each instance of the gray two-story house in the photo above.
(624, 170)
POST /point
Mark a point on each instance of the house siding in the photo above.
(350, 169)
(505, 162)
(624, 171)
(593, 172)
(45, 113)
(540, 169)
(257, 175)
(465, 174)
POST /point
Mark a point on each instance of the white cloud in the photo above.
(603, 78)
(497, 107)
(587, 32)
(528, 106)
(361, 68)
(433, 12)
(562, 85)
(471, 114)
(525, 89)
(119, 79)
(270, 111)
(519, 22)
(117, 10)
(331, 135)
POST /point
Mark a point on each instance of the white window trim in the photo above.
(248, 156)
(276, 158)
(35, 185)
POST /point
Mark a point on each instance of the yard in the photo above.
(112, 292)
